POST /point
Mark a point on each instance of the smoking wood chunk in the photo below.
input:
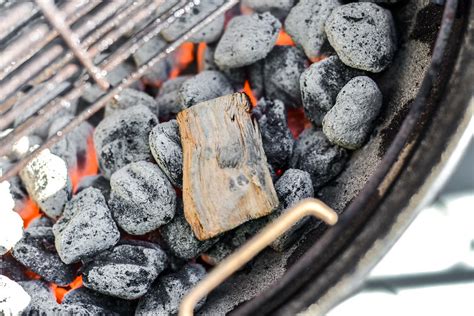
(226, 181)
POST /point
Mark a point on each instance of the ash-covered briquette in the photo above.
(11, 224)
(131, 97)
(204, 86)
(276, 136)
(74, 145)
(363, 35)
(247, 39)
(13, 298)
(208, 34)
(160, 70)
(41, 221)
(126, 271)
(97, 181)
(165, 145)
(180, 239)
(122, 138)
(12, 268)
(350, 121)
(279, 8)
(320, 84)
(305, 24)
(42, 298)
(47, 181)
(36, 251)
(168, 100)
(142, 199)
(111, 305)
(315, 154)
(86, 227)
(281, 73)
(167, 292)
(293, 186)
(74, 309)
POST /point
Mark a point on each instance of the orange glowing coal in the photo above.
(248, 91)
(30, 212)
(297, 121)
(184, 56)
(284, 39)
(59, 292)
(200, 56)
(89, 167)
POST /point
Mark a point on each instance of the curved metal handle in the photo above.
(253, 247)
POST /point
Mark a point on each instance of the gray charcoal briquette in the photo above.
(131, 97)
(126, 271)
(363, 35)
(315, 154)
(167, 292)
(247, 39)
(320, 84)
(36, 251)
(305, 24)
(279, 8)
(142, 198)
(351, 119)
(42, 298)
(165, 145)
(86, 227)
(13, 298)
(122, 138)
(204, 86)
(12, 268)
(276, 136)
(168, 100)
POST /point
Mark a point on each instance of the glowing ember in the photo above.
(201, 51)
(59, 292)
(248, 91)
(184, 56)
(88, 168)
(29, 212)
(297, 121)
(319, 58)
(284, 39)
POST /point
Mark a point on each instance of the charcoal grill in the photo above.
(377, 196)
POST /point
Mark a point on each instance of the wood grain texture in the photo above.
(226, 180)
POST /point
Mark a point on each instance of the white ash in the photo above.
(305, 24)
(315, 154)
(126, 271)
(293, 186)
(279, 8)
(180, 239)
(36, 251)
(42, 298)
(122, 138)
(246, 40)
(320, 84)
(363, 35)
(47, 182)
(165, 146)
(13, 298)
(112, 305)
(86, 227)
(168, 100)
(204, 86)
(351, 120)
(129, 98)
(167, 292)
(96, 181)
(281, 73)
(142, 198)
(208, 34)
(277, 139)
(160, 70)
(11, 228)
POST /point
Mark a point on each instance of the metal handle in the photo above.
(253, 247)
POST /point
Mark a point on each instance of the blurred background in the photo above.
(430, 270)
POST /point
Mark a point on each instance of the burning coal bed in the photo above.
(186, 176)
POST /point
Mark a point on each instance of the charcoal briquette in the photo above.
(126, 271)
(363, 35)
(86, 227)
(12, 269)
(204, 86)
(167, 292)
(142, 198)
(165, 145)
(315, 154)
(278, 8)
(276, 136)
(320, 84)
(122, 138)
(13, 298)
(305, 24)
(247, 39)
(11, 229)
(168, 100)
(129, 98)
(47, 181)
(350, 121)
(42, 298)
(41, 221)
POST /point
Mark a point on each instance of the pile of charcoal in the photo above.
(124, 231)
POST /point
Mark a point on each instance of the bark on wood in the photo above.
(226, 180)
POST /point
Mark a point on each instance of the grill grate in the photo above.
(55, 45)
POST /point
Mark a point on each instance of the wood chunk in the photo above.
(226, 180)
